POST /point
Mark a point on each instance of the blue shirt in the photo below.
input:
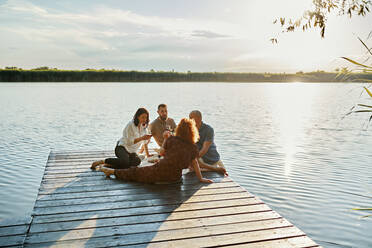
(206, 133)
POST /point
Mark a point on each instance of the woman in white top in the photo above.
(134, 135)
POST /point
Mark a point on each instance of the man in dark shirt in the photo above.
(209, 158)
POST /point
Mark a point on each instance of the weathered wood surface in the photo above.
(77, 207)
(13, 232)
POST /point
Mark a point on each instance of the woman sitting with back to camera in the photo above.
(179, 152)
(134, 135)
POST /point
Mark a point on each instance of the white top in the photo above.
(130, 133)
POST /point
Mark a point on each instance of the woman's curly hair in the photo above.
(187, 130)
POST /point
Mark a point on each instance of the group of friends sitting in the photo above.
(188, 145)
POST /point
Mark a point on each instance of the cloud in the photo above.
(103, 33)
(207, 34)
(118, 19)
(23, 6)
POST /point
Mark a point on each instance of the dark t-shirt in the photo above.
(206, 133)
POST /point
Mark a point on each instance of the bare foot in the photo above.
(153, 160)
(108, 171)
(96, 163)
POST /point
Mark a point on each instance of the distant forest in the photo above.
(45, 74)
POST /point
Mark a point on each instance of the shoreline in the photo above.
(91, 76)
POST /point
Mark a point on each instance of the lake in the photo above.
(285, 142)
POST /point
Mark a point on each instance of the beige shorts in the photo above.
(216, 165)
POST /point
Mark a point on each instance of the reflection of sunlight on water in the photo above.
(291, 106)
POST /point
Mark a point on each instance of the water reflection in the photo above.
(291, 110)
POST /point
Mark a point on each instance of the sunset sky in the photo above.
(203, 35)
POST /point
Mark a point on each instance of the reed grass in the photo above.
(363, 108)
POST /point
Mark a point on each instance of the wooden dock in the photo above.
(77, 207)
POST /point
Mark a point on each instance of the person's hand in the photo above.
(149, 155)
(222, 170)
(205, 180)
(166, 134)
(162, 152)
(146, 137)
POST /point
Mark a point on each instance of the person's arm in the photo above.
(198, 173)
(141, 150)
(161, 151)
(163, 147)
(146, 150)
(129, 135)
(207, 142)
(205, 148)
(144, 137)
(166, 135)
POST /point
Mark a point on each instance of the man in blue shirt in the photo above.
(209, 158)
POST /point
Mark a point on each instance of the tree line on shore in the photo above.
(45, 74)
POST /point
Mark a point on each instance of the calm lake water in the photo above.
(286, 143)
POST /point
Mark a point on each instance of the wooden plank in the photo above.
(125, 189)
(11, 241)
(100, 176)
(62, 162)
(64, 154)
(69, 152)
(90, 155)
(136, 215)
(78, 164)
(291, 242)
(57, 158)
(78, 183)
(212, 222)
(231, 212)
(126, 197)
(138, 191)
(78, 153)
(180, 199)
(82, 155)
(147, 210)
(188, 177)
(69, 169)
(211, 239)
(220, 199)
(16, 221)
(193, 237)
(119, 185)
(13, 230)
(298, 242)
(73, 175)
(87, 173)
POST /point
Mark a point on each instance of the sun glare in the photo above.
(291, 106)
